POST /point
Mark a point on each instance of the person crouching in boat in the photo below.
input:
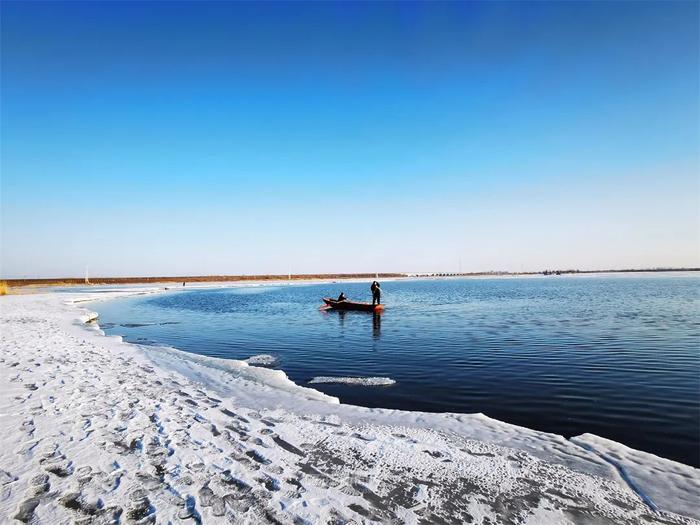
(341, 297)
(376, 293)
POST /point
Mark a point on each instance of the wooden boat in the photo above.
(351, 305)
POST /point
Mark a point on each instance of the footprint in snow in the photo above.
(25, 511)
(6, 477)
(270, 483)
(256, 456)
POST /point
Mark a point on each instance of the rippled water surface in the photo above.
(617, 356)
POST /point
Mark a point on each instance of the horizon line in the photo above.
(275, 277)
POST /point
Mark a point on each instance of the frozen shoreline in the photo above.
(91, 421)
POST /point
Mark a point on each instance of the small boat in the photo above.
(351, 305)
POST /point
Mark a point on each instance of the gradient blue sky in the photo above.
(208, 138)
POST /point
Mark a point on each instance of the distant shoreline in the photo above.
(70, 281)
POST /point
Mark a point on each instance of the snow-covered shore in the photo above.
(98, 430)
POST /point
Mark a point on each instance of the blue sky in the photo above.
(224, 138)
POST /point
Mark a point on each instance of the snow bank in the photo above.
(659, 481)
(271, 379)
(97, 427)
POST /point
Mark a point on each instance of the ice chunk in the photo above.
(362, 381)
(261, 360)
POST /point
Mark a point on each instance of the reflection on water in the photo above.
(376, 324)
(376, 319)
(615, 356)
(341, 316)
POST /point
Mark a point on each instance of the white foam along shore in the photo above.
(98, 430)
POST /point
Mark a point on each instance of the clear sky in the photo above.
(226, 138)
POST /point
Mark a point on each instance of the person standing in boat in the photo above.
(342, 297)
(376, 293)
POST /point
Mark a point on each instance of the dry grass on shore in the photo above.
(3, 288)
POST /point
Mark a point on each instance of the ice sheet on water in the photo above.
(261, 360)
(362, 381)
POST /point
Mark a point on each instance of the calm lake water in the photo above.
(617, 356)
